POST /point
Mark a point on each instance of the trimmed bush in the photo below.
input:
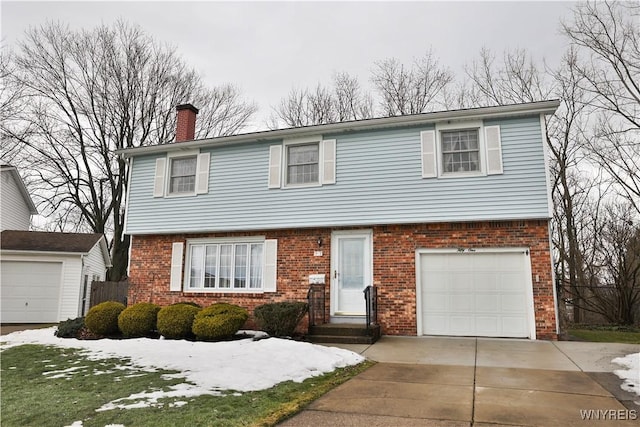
(139, 320)
(102, 319)
(219, 321)
(70, 328)
(176, 320)
(280, 319)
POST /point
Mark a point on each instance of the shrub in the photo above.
(280, 319)
(139, 320)
(102, 319)
(219, 321)
(191, 303)
(176, 320)
(70, 328)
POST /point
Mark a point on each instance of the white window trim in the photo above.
(307, 140)
(162, 174)
(167, 173)
(476, 124)
(219, 241)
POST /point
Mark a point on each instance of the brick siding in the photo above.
(394, 271)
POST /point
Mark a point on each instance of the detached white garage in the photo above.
(45, 277)
(484, 293)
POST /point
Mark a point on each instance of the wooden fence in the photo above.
(108, 291)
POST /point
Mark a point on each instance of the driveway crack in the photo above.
(475, 368)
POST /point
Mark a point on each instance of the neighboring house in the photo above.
(46, 277)
(16, 206)
(446, 213)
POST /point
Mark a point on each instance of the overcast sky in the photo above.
(266, 48)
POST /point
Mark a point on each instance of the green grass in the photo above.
(607, 334)
(32, 396)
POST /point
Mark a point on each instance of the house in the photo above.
(16, 206)
(46, 277)
(445, 213)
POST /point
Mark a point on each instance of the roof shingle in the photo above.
(47, 241)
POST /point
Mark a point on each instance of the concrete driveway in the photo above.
(428, 381)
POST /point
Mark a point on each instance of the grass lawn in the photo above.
(607, 334)
(49, 386)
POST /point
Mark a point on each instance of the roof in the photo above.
(20, 183)
(48, 242)
(501, 111)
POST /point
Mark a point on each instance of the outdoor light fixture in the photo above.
(320, 241)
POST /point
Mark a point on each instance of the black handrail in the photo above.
(315, 299)
(371, 303)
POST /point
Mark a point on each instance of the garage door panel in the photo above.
(436, 302)
(510, 281)
(462, 303)
(487, 325)
(460, 324)
(461, 282)
(513, 325)
(437, 281)
(512, 303)
(485, 281)
(479, 293)
(30, 291)
(436, 323)
(487, 303)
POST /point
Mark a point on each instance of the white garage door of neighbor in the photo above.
(30, 291)
(475, 294)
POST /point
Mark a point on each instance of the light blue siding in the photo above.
(378, 181)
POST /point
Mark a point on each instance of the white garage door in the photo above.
(30, 291)
(475, 294)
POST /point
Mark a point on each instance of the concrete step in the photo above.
(344, 333)
(341, 339)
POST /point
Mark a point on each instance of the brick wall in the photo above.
(394, 273)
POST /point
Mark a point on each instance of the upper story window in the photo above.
(460, 151)
(183, 175)
(303, 163)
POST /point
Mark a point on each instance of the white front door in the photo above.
(351, 271)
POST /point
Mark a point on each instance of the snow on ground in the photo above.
(207, 367)
(630, 375)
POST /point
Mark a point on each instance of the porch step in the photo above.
(344, 333)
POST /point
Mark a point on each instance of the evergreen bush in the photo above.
(139, 320)
(102, 319)
(70, 328)
(219, 321)
(280, 319)
(176, 320)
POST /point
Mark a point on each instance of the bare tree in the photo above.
(88, 93)
(344, 100)
(571, 186)
(608, 35)
(611, 245)
(516, 79)
(410, 90)
(352, 102)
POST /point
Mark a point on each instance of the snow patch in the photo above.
(630, 375)
(207, 368)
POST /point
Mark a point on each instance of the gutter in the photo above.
(501, 111)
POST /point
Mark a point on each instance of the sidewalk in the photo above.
(429, 381)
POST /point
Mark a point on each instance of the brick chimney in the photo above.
(186, 123)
